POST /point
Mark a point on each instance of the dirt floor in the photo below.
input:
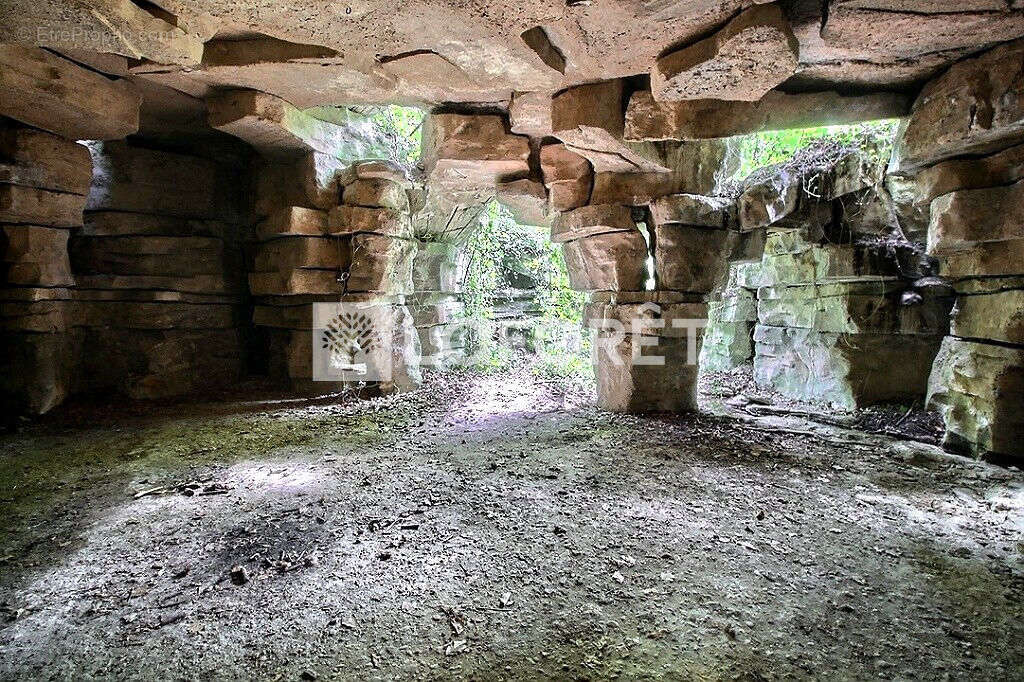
(497, 528)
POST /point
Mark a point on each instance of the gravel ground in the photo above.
(494, 528)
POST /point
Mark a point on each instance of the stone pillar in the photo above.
(360, 252)
(44, 180)
(438, 271)
(962, 174)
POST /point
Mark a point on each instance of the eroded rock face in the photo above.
(626, 383)
(749, 56)
(979, 231)
(694, 209)
(844, 370)
(567, 176)
(913, 195)
(691, 259)
(975, 107)
(979, 388)
(648, 119)
(614, 261)
(591, 220)
(54, 94)
(472, 150)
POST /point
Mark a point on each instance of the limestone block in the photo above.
(597, 105)
(224, 283)
(668, 320)
(34, 158)
(961, 220)
(155, 315)
(626, 384)
(693, 259)
(984, 258)
(743, 60)
(727, 345)
(20, 204)
(377, 193)
(439, 266)
(273, 126)
(695, 210)
(768, 200)
(913, 195)
(973, 108)
(979, 388)
(381, 264)
(855, 307)
(137, 179)
(647, 119)
(695, 167)
(567, 175)
(39, 315)
(591, 220)
(152, 256)
(997, 315)
(790, 259)
(125, 224)
(843, 370)
(295, 282)
(325, 253)
(293, 220)
(530, 114)
(613, 261)
(472, 150)
(345, 220)
(36, 371)
(734, 305)
(54, 94)
(35, 256)
(527, 199)
(381, 169)
(917, 27)
(310, 180)
(632, 189)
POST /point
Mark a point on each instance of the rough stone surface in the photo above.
(34, 206)
(975, 107)
(853, 308)
(978, 231)
(592, 220)
(913, 195)
(647, 119)
(377, 193)
(287, 253)
(439, 267)
(607, 262)
(49, 92)
(527, 199)
(381, 264)
(274, 127)
(137, 179)
(35, 256)
(469, 150)
(595, 105)
(34, 158)
(694, 209)
(995, 316)
(979, 388)
(692, 259)
(568, 177)
(844, 370)
(626, 384)
(530, 114)
(293, 220)
(344, 220)
(745, 59)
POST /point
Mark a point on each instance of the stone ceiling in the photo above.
(314, 52)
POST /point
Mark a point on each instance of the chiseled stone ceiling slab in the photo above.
(428, 51)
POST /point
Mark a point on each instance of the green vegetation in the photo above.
(401, 130)
(874, 138)
(514, 267)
